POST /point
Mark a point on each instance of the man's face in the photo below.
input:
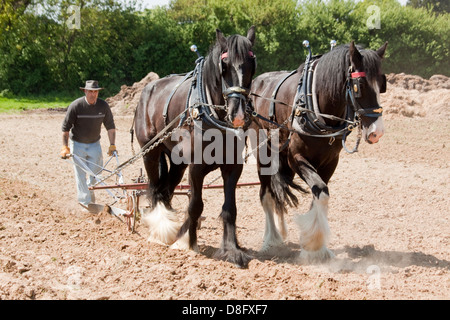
(91, 96)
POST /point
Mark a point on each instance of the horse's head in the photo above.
(365, 82)
(236, 65)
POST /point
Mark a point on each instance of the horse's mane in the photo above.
(238, 48)
(331, 72)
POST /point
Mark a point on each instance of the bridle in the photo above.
(210, 117)
(234, 91)
(353, 91)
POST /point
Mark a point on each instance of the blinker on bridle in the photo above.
(354, 91)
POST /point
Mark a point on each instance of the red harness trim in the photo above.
(358, 75)
(225, 54)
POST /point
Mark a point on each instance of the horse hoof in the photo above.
(237, 257)
(316, 257)
(183, 244)
(271, 246)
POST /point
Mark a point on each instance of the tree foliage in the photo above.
(41, 51)
(438, 6)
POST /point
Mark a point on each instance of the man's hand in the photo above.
(65, 152)
(111, 150)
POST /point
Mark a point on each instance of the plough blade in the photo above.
(96, 208)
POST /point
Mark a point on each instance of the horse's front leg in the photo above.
(314, 228)
(272, 237)
(230, 250)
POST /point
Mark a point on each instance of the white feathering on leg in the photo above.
(281, 225)
(183, 243)
(272, 237)
(163, 224)
(315, 231)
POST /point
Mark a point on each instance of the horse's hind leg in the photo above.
(230, 250)
(176, 174)
(162, 220)
(314, 228)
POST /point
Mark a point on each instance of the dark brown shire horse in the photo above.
(314, 108)
(211, 101)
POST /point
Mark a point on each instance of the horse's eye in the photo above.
(224, 66)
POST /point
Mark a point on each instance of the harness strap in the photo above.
(169, 98)
(310, 122)
(274, 94)
(301, 132)
(155, 138)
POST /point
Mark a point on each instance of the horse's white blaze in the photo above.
(163, 224)
(272, 237)
(239, 73)
(376, 129)
(315, 231)
(240, 114)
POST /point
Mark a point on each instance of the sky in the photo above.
(149, 4)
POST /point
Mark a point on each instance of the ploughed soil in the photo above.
(389, 221)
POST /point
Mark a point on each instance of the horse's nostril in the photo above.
(238, 123)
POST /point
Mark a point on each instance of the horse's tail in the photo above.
(282, 185)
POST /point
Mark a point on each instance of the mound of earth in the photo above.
(127, 99)
(413, 96)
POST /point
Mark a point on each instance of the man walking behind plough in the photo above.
(82, 124)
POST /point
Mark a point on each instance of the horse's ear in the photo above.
(251, 35)
(355, 56)
(221, 40)
(382, 50)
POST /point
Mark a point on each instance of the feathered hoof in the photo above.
(271, 247)
(183, 244)
(315, 257)
(235, 256)
(163, 225)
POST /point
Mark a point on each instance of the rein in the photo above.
(350, 127)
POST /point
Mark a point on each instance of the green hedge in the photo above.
(119, 45)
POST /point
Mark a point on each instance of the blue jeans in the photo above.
(91, 157)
